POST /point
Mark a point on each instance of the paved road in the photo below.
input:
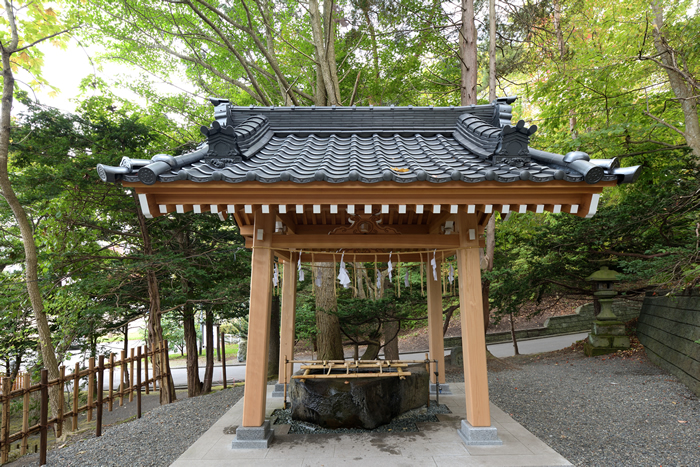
(546, 344)
(236, 371)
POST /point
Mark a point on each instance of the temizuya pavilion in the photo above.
(366, 181)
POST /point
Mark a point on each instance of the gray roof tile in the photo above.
(371, 144)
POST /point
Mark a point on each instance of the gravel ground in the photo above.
(601, 411)
(157, 439)
(594, 411)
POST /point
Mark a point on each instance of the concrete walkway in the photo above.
(436, 444)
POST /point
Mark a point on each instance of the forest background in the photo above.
(79, 261)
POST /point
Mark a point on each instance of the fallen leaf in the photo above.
(682, 421)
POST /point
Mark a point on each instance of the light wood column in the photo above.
(436, 342)
(473, 340)
(289, 301)
(259, 321)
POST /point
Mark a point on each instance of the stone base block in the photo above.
(593, 351)
(279, 390)
(253, 437)
(611, 328)
(479, 435)
(444, 389)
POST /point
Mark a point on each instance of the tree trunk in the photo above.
(125, 375)
(492, 50)
(189, 326)
(273, 356)
(218, 345)
(155, 330)
(488, 256)
(371, 352)
(512, 335)
(46, 347)
(390, 330)
(323, 40)
(685, 90)
(467, 52)
(328, 337)
(209, 369)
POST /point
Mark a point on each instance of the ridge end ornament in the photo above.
(223, 146)
(512, 147)
(365, 224)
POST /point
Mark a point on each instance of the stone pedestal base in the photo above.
(479, 435)
(253, 437)
(279, 390)
(444, 389)
(606, 337)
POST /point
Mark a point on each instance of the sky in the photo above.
(65, 69)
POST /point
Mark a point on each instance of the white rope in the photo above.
(319, 281)
(391, 268)
(343, 276)
(299, 269)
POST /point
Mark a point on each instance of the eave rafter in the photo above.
(423, 215)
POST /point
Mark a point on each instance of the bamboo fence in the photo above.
(93, 407)
(17, 383)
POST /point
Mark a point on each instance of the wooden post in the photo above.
(100, 394)
(223, 357)
(44, 416)
(476, 383)
(154, 349)
(25, 412)
(91, 388)
(6, 389)
(436, 342)
(131, 375)
(255, 394)
(289, 301)
(145, 367)
(111, 381)
(61, 401)
(138, 383)
(122, 377)
(76, 393)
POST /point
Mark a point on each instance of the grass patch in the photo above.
(231, 353)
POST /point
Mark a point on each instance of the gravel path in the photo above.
(594, 411)
(601, 411)
(157, 439)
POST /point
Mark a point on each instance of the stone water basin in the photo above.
(357, 402)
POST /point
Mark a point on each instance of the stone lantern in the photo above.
(608, 333)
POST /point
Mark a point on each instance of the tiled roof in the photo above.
(401, 144)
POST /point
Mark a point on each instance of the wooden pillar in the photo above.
(259, 321)
(289, 301)
(436, 342)
(473, 340)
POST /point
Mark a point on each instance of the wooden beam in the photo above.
(473, 341)
(255, 393)
(288, 220)
(335, 242)
(325, 229)
(357, 193)
(436, 342)
(289, 300)
(438, 221)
